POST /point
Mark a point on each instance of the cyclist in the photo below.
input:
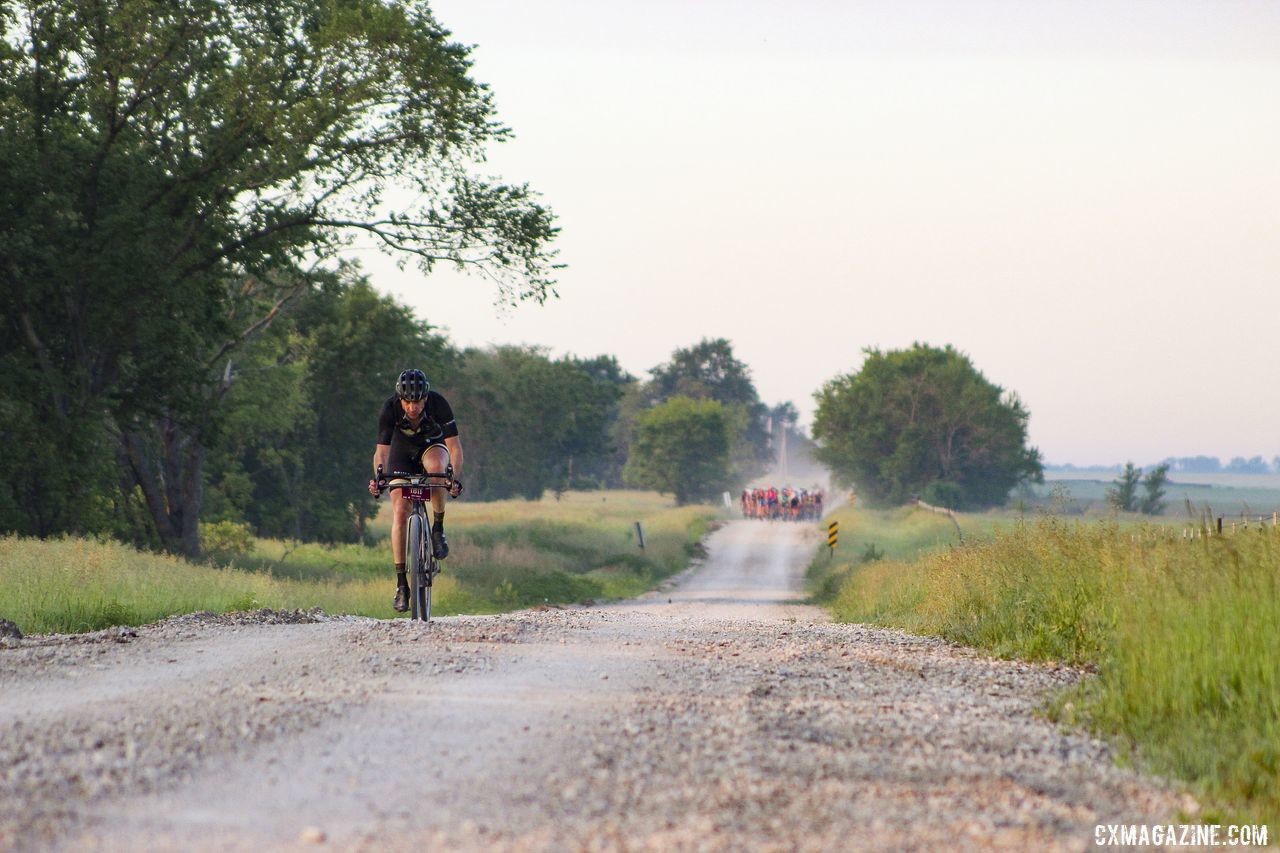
(416, 433)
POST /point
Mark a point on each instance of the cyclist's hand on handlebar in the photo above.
(456, 488)
(373, 489)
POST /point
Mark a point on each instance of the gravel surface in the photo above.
(718, 714)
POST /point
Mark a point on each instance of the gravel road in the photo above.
(719, 714)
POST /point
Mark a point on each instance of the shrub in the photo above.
(226, 540)
(944, 494)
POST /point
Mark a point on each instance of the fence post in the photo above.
(640, 535)
(1219, 525)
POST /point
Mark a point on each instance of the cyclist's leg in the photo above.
(399, 514)
(400, 508)
(403, 458)
(435, 460)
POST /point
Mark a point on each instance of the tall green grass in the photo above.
(503, 555)
(1184, 634)
(73, 585)
(902, 534)
(506, 554)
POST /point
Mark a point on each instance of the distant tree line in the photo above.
(1213, 465)
(1194, 465)
(287, 448)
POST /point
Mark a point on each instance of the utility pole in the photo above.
(783, 454)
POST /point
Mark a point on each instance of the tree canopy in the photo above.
(174, 176)
(1123, 494)
(530, 423)
(681, 447)
(912, 418)
(293, 445)
(709, 370)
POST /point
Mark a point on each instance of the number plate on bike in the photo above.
(417, 493)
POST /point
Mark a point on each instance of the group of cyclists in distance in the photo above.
(769, 503)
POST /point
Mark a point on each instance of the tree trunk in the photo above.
(166, 460)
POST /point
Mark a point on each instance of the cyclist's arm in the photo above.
(454, 446)
(382, 447)
(381, 453)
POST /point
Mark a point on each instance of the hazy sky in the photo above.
(1083, 196)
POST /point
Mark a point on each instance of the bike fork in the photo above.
(426, 599)
(427, 562)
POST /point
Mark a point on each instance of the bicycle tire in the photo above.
(413, 556)
(424, 600)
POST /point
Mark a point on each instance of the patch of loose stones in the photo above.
(56, 759)
(819, 737)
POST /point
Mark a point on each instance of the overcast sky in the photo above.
(1082, 196)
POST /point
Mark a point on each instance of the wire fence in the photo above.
(1211, 525)
(1208, 524)
(942, 510)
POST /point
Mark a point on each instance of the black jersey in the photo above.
(436, 425)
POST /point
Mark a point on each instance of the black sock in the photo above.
(401, 578)
(439, 519)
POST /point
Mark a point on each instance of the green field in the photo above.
(1184, 634)
(1229, 495)
(504, 555)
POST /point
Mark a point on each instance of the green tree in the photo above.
(1153, 490)
(710, 371)
(633, 403)
(1124, 494)
(681, 447)
(910, 418)
(530, 423)
(592, 460)
(707, 370)
(172, 177)
(292, 453)
(359, 342)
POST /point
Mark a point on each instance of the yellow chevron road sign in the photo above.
(833, 534)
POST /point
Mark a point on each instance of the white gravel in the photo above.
(719, 714)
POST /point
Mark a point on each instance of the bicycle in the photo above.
(420, 559)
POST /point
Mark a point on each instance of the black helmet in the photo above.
(412, 385)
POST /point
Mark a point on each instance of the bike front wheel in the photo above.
(415, 547)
